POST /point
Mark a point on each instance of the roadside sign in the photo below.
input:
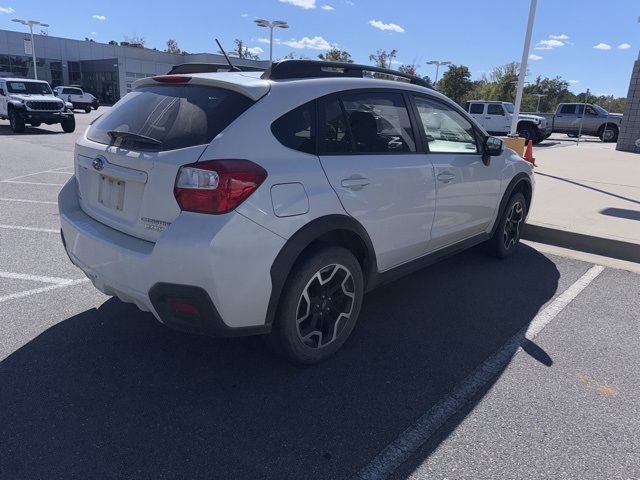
(28, 47)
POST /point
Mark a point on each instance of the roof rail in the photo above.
(289, 69)
(187, 68)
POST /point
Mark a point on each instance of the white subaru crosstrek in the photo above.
(243, 203)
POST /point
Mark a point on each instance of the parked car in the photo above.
(597, 122)
(245, 203)
(496, 118)
(24, 101)
(80, 99)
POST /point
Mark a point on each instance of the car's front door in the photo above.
(467, 189)
(566, 120)
(368, 150)
(495, 119)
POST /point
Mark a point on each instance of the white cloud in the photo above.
(306, 4)
(562, 36)
(602, 46)
(99, 17)
(244, 15)
(573, 82)
(350, 3)
(6, 10)
(395, 62)
(94, 33)
(623, 46)
(534, 57)
(328, 8)
(315, 43)
(266, 40)
(548, 44)
(255, 50)
(386, 26)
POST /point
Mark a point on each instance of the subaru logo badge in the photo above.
(98, 163)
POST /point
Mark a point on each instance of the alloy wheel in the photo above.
(325, 305)
(512, 225)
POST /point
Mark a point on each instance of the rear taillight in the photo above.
(217, 186)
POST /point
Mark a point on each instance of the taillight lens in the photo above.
(217, 186)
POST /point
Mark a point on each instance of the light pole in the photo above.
(31, 24)
(437, 63)
(271, 26)
(523, 68)
(539, 95)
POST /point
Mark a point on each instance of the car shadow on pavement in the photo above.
(6, 130)
(111, 393)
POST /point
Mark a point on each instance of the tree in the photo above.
(409, 70)
(383, 59)
(336, 55)
(456, 83)
(242, 51)
(113, 42)
(172, 46)
(135, 41)
(294, 56)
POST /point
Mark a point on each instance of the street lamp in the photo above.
(271, 26)
(31, 24)
(437, 63)
(539, 95)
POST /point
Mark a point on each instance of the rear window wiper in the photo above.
(135, 137)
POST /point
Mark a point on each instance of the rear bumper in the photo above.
(210, 262)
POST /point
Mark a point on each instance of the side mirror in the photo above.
(492, 147)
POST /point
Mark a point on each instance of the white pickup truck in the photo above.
(24, 101)
(495, 118)
(79, 98)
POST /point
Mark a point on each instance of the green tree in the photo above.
(336, 55)
(409, 70)
(456, 83)
(242, 51)
(383, 59)
(172, 46)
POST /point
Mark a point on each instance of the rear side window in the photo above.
(568, 109)
(379, 122)
(494, 109)
(476, 108)
(297, 129)
(334, 133)
(177, 116)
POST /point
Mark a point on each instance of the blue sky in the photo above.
(479, 34)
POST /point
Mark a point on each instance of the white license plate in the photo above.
(111, 193)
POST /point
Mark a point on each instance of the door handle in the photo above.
(487, 118)
(355, 183)
(446, 177)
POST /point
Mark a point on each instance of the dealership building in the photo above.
(107, 71)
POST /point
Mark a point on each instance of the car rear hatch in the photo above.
(126, 166)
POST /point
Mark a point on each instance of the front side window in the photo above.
(31, 88)
(379, 122)
(476, 108)
(297, 129)
(495, 109)
(446, 130)
(168, 117)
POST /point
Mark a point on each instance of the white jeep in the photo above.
(25, 101)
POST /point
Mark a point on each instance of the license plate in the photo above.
(111, 193)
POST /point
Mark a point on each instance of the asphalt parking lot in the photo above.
(472, 368)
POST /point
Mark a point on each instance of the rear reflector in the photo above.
(182, 307)
(172, 79)
(217, 186)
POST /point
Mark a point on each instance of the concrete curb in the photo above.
(607, 247)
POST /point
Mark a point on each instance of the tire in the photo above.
(572, 135)
(36, 124)
(319, 307)
(506, 238)
(528, 132)
(87, 110)
(608, 133)
(68, 124)
(16, 120)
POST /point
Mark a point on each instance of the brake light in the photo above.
(217, 186)
(172, 79)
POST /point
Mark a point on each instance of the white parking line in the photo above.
(417, 434)
(33, 183)
(34, 278)
(24, 200)
(53, 170)
(30, 229)
(34, 291)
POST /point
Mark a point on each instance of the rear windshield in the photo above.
(31, 88)
(176, 116)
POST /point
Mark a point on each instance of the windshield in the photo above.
(509, 107)
(600, 110)
(168, 117)
(29, 88)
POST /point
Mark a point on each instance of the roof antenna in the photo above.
(233, 68)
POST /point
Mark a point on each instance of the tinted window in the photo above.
(297, 128)
(495, 109)
(446, 130)
(334, 133)
(178, 116)
(509, 107)
(379, 123)
(568, 109)
(72, 91)
(476, 108)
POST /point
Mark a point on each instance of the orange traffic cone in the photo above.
(528, 153)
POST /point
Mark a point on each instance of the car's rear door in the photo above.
(368, 151)
(467, 189)
(566, 120)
